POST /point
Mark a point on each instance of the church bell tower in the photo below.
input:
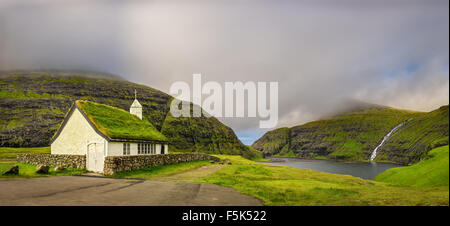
(136, 107)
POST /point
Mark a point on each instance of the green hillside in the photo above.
(274, 142)
(431, 171)
(33, 104)
(353, 135)
(204, 133)
(423, 132)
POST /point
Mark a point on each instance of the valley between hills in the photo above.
(33, 104)
(353, 135)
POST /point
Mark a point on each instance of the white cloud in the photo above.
(320, 52)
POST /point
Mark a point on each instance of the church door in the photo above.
(162, 149)
(95, 157)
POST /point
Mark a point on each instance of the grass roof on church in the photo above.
(117, 123)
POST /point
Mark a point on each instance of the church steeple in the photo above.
(136, 107)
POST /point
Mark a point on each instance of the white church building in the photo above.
(97, 130)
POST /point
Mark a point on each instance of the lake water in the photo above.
(365, 170)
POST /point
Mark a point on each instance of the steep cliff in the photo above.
(353, 135)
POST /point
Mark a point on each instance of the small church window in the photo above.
(126, 148)
(139, 148)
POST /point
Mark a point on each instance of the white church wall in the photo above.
(72, 139)
(116, 149)
(158, 148)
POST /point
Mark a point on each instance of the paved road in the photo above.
(85, 190)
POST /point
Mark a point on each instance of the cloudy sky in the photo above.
(393, 53)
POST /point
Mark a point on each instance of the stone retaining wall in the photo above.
(68, 161)
(116, 164)
(113, 164)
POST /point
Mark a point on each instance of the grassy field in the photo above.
(282, 185)
(28, 171)
(8, 155)
(162, 171)
(430, 172)
(8, 159)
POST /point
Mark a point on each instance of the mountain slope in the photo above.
(418, 136)
(430, 172)
(353, 135)
(33, 104)
(274, 142)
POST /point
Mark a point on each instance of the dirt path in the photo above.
(192, 174)
(88, 190)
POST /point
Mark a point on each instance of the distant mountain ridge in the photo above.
(353, 135)
(33, 104)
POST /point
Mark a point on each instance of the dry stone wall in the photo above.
(116, 164)
(113, 164)
(67, 161)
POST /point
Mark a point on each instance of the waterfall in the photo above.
(385, 138)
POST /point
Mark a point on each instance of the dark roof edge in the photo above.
(66, 118)
(138, 141)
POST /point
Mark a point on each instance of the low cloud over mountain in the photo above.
(321, 52)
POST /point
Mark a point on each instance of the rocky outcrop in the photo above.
(58, 169)
(12, 171)
(225, 162)
(42, 169)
